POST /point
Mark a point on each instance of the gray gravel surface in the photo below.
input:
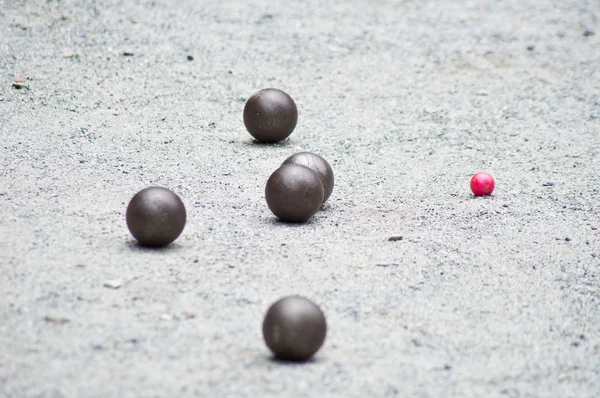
(483, 297)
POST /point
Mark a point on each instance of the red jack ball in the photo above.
(482, 184)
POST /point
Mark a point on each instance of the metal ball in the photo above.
(294, 193)
(270, 115)
(294, 328)
(155, 216)
(318, 165)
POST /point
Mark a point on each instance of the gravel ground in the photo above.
(483, 297)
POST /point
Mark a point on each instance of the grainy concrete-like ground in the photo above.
(483, 297)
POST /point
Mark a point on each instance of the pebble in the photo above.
(58, 321)
(19, 82)
(113, 284)
(589, 32)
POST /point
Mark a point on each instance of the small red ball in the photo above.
(482, 184)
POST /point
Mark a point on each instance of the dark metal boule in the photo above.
(294, 193)
(294, 328)
(155, 216)
(318, 165)
(270, 115)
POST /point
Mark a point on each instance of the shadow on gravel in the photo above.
(136, 247)
(282, 362)
(281, 144)
(277, 222)
(484, 197)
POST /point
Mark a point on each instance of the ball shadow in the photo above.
(482, 197)
(281, 144)
(325, 208)
(288, 224)
(135, 246)
(292, 362)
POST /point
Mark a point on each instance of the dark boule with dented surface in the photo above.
(294, 328)
(318, 165)
(155, 216)
(294, 193)
(270, 115)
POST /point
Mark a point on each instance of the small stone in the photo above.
(128, 54)
(561, 33)
(548, 184)
(564, 377)
(589, 32)
(58, 321)
(67, 54)
(567, 239)
(395, 238)
(166, 317)
(113, 284)
(190, 58)
(189, 314)
(19, 82)
(530, 48)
